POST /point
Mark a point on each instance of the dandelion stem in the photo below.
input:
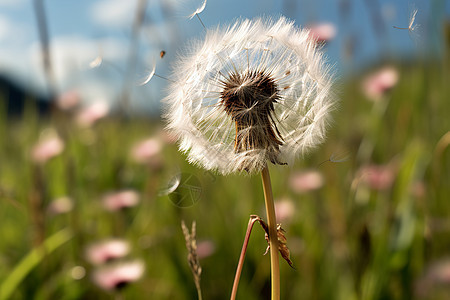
(273, 241)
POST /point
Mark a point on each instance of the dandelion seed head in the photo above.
(256, 91)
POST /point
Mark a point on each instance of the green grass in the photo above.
(347, 241)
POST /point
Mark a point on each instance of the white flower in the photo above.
(256, 91)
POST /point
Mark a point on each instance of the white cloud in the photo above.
(73, 54)
(113, 13)
(70, 57)
(5, 28)
(11, 3)
(11, 32)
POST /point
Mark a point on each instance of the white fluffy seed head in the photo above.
(256, 91)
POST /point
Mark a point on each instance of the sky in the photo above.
(84, 30)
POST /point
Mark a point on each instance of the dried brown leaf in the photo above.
(282, 242)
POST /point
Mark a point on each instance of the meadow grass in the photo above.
(347, 240)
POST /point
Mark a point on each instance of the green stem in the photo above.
(31, 260)
(273, 240)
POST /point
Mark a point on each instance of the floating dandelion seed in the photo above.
(254, 92)
(96, 62)
(199, 10)
(339, 157)
(411, 26)
(172, 185)
(336, 158)
(149, 76)
(413, 29)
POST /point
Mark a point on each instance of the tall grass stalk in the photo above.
(237, 276)
(31, 260)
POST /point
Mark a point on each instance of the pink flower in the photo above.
(117, 276)
(303, 182)
(121, 199)
(68, 100)
(46, 149)
(90, 114)
(102, 252)
(377, 177)
(437, 274)
(440, 271)
(378, 83)
(284, 210)
(60, 206)
(322, 32)
(145, 151)
(419, 189)
(205, 248)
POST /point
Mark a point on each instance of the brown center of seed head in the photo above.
(249, 100)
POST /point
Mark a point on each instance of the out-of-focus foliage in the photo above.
(373, 226)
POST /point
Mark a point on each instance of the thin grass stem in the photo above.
(252, 221)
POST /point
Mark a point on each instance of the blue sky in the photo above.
(81, 30)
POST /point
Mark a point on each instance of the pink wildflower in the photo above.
(378, 177)
(378, 83)
(102, 252)
(68, 100)
(121, 199)
(303, 182)
(205, 248)
(284, 210)
(90, 114)
(146, 150)
(322, 32)
(60, 206)
(47, 149)
(117, 276)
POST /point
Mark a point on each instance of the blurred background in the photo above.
(93, 190)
